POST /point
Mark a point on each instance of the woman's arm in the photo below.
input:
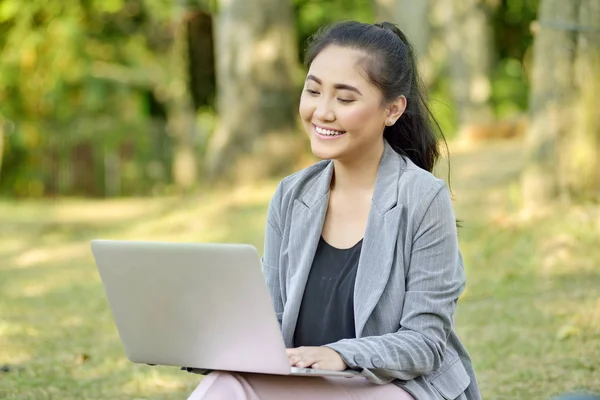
(434, 282)
(272, 250)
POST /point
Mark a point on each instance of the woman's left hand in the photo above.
(316, 358)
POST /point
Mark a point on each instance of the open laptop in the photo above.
(194, 305)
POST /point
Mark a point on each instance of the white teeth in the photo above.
(327, 132)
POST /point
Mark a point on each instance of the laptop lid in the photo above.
(191, 304)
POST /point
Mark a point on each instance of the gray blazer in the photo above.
(410, 275)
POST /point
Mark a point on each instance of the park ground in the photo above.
(530, 316)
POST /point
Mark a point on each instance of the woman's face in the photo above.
(342, 111)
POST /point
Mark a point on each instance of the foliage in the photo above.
(513, 42)
(311, 15)
(97, 73)
(76, 73)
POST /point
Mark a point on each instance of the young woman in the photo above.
(361, 253)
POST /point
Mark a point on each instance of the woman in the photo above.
(361, 253)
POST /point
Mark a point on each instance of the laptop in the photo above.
(194, 305)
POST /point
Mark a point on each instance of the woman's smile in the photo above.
(326, 133)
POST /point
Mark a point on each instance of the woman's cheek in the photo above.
(305, 109)
(353, 119)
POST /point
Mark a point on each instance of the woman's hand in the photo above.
(316, 358)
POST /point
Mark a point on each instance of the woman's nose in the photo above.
(324, 111)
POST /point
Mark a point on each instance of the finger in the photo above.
(294, 351)
(306, 362)
(303, 357)
(293, 360)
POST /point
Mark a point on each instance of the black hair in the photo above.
(390, 64)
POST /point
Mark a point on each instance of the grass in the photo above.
(530, 316)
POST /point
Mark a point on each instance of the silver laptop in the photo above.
(194, 305)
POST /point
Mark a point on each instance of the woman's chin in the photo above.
(322, 153)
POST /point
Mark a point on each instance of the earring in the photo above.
(388, 123)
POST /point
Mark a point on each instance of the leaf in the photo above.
(109, 6)
(8, 9)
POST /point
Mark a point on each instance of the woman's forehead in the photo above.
(336, 64)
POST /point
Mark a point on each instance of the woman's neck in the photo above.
(358, 173)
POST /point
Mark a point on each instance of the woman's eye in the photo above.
(311, 92)
(346, 101)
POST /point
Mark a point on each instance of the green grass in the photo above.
(530, 316)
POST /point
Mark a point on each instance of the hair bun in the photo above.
(394, 28)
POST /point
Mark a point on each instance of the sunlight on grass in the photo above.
(152, 383)
(57, 253)
(13, 353)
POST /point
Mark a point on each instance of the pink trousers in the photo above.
(242, 386)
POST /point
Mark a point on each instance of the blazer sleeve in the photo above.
(434, 281)
(272, 250)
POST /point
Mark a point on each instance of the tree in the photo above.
(470, 48)
(414, 19)
(581, 160)
(161, 64)
(181, 120)
(256, 62)
(452, 35)
(564, 128)
(2, 133)
(76, 75)
(411, 16)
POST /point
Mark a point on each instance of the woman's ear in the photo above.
(396, 109)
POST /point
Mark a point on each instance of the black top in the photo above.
(327, 309)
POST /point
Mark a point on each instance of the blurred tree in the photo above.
(161, 64)
(413, 18)
(581, 158)
(513, 40)
(87, 84)
(256, 65)
(2, 133)
(88, 88)
(564, 135)
(177, 97)
(311, 15)
(201, 59)
(469, 43)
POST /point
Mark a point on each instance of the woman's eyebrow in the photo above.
(339, 86)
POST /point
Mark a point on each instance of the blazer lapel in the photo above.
(379, 242)
(308, 216)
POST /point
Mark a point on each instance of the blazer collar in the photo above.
(385, 196)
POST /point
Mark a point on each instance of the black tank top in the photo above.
(327, 310)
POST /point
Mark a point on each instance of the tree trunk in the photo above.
(3, 132)
(410, 16)
(256, 100)
(579, 157)
(413, 18)
(179, 104)
(551, 94)
(202, 61)
(84, 170)
(470, 49)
